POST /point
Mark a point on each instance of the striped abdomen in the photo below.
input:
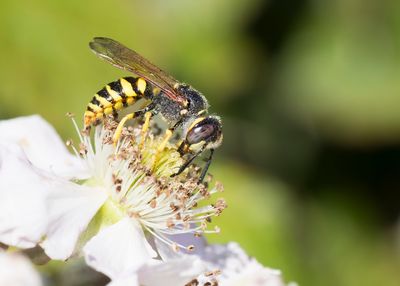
(115, 96)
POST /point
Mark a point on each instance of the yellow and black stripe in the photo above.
(115, 96)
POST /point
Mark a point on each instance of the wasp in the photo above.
(179, 104)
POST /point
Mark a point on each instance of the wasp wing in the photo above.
(126, 59)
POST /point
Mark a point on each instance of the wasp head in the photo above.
(203, 133)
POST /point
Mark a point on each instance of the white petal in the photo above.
(23, 190)
(254, 274)
(186, 239)
(229, 257)
(119, 250)
(237, 268)
(16, 270)
(125, 281)
(42, 145)
(70, 209)
(173, 272)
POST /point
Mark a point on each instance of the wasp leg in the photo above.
(114, 114)
(145, 127)
(185, 165)
(188, 162)
(118, 131)
(181, 148)
(205, 169)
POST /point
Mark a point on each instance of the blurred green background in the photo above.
(309, 91)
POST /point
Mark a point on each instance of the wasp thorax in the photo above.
(196, 101)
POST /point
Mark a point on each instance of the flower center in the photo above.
(141, 187)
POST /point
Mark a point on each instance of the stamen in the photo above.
(72, 116)
(70, 144)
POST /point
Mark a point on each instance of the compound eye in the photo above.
(199, 133)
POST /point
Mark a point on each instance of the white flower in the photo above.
(101, 200)
(16, 270)
(223, 265)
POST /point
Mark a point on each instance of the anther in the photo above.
(170, 223)
(193, 282)
(153, 203)
(219, 186)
